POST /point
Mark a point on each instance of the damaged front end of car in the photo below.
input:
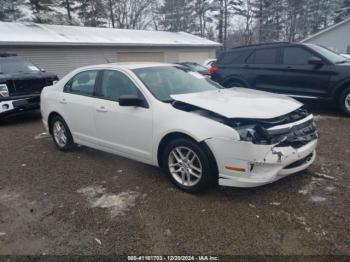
(278, 131)
(268, 149)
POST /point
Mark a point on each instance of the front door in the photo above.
(301, 78)
(126, 130)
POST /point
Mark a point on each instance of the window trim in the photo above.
(69, 82)
(99, 87)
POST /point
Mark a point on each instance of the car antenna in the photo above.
(108, 62)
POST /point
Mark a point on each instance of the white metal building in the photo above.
(336, 37)
(60, 49)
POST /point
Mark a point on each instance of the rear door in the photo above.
(232, 65)
(78, 105)
(264, 68)
(301, 78)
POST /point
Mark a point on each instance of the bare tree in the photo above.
(202, 8)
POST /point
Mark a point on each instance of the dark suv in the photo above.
(303, 71)
(21, 83)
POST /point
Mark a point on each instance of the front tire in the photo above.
(61, 134)
(345, 101)
(187, 165)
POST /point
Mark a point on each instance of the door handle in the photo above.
(63, 101)
(101, 109)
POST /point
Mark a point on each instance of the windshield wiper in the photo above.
(168, 101)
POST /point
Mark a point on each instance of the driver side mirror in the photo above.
(42, 70)
(132, 100)
(316, 61)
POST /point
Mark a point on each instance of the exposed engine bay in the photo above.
(265, 131)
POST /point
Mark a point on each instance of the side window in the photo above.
(115, 84)
(234, 57)
(296, 56)
(266, 56)
(82, 83)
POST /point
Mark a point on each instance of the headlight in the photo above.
(255, 134)
(4, 92)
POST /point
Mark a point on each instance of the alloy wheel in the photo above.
(185, 166)
(60, 134)
(347, 102)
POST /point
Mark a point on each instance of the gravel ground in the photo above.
(89, 202)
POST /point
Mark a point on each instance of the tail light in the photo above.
(213, 70)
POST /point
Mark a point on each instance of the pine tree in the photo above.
(69, 6)
(9, 10)
(42, 10)
(177, 15)
(91, 12)
(343, 11)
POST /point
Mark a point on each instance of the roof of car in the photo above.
(265, 45)
(12, 58)
(129, 65)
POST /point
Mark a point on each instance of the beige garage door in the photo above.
(141, 57)
(198, 57)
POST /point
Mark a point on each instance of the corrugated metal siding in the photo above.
(140, 57)
(62, 60)
(198, 57)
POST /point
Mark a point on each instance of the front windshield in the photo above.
(17, 66)
(168, 80)
(329, 54)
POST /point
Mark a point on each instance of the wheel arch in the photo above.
(236, 78)
(49, 119)
(340, 88)
(175, 135)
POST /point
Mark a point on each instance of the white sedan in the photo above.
(197, 131)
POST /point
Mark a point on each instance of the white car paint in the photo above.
(346, 56)
(241, 103)
(136, 132)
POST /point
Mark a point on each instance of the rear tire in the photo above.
(188, 166)
(234, 83)
(344, 101)
(61, 134)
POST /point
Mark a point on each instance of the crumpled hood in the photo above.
(241, 103)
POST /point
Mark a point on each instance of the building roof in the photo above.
(58, 35)
(326, 30)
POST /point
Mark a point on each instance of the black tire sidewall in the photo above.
(343, 95)
(208, 175)
(234, 83)
(70, 144)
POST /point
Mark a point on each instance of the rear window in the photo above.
(82, 84)
(234, 57)
(264, 56)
